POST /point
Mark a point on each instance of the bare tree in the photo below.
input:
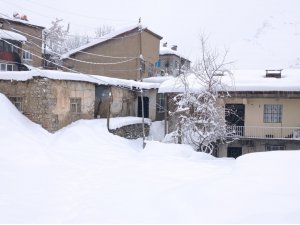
(75, 41)
(56, 36)
(201, 119)
(103, 30)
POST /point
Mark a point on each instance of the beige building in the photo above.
(119, 54)
(265, 108)
(31, 53)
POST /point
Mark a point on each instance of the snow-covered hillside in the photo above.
(83, 174)
(273, 45)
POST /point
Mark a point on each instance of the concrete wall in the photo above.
(47, 102)
(129, 46)
(34, 45)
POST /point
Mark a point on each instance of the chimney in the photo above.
(174, 47)
(273, 73)
(165, 44)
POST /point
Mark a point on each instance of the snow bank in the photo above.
(118, 122)
(84, 174)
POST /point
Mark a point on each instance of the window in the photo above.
(161, 103)
(6, 67)
(27, 55)
(75, 105)
(275, 147)
(272, 113)
(18, 102)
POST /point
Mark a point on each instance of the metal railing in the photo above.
(291, 133)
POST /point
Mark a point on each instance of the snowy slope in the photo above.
(83, 174)
(273, 45)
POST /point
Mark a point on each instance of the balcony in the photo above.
(256, 132)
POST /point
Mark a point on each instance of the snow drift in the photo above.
(84, 174)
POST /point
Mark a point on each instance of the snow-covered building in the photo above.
(11, 50)
(32, 45)
(119, 54)
(54, 99)
(266, 105)
(171, 62)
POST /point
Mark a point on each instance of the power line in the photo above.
(43, 15)
(88, 53)
(105, 82)
(76, 14)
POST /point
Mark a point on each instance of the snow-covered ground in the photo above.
(83, 174)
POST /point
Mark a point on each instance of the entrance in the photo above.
(146, 107)
(234, 152)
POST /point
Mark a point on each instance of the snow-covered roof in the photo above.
(28, 23)
(157, 79)
(60, 75)
(108, 37)
(169, 51)
(241, 80)
(125, 83)
(9, 35)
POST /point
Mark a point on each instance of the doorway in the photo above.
(234, 152)
(146, 107)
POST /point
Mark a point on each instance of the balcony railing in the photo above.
(290, 133)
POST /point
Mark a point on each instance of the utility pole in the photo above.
(141, 60)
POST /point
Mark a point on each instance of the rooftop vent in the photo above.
(165, 44)
(174, 47)
(273, 73)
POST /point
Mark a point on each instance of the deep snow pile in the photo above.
(83, 174)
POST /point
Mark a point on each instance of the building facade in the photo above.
(32, 48)
(129, 53)
(51, 101)
(171, 62)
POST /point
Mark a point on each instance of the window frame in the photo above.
(275, 147)
(6, 66)
(17, 101)
(160, 103)
(273, 113)
(75, 105)
(27, 55)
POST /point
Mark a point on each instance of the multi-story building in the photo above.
(32, 47)
(128, 53)
(171, 62)
(264, 111)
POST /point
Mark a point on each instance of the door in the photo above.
(146, 107)
(234, 152)
(235, 116)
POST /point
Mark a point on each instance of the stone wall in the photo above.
(132, 131)
(47, 102)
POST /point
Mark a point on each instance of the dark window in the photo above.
(160, 106)
(75, 105)
(234, 152)
(275, 147)
(272, 113)
(18, 102)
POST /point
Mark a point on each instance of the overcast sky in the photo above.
(249, 29)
